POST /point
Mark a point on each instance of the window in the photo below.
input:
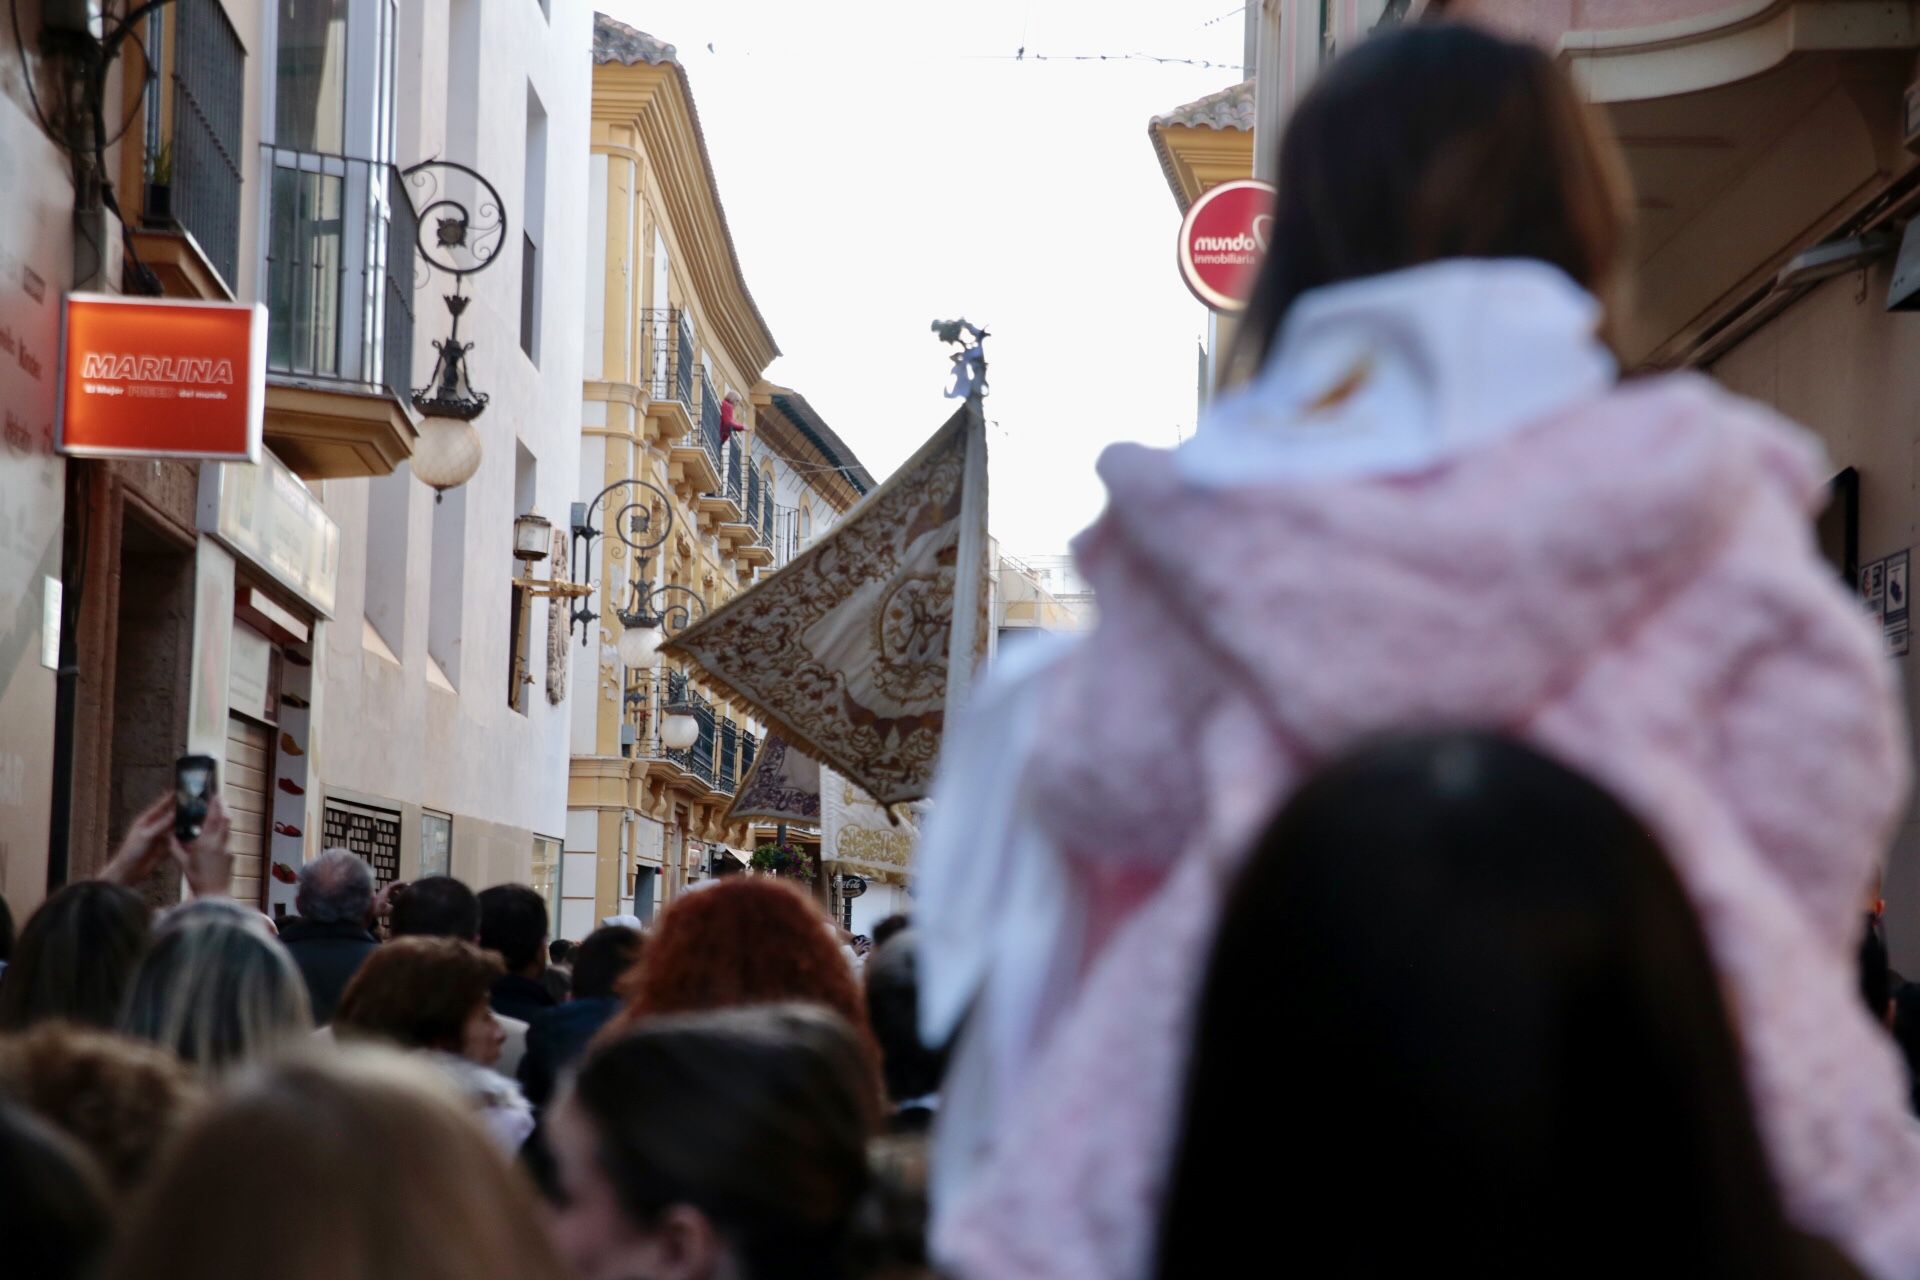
(340, 227)
(436, 844)
(520, 605)
(446, 584)
(310, 75)
(545, 875)
(535, 229)
(389, 498)
(529, 296)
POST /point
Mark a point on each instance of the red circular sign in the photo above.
(1223, 240)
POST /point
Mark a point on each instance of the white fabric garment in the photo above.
(1430, 385)
(1437, 360)
(993, 918)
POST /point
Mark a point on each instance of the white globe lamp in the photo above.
(679, 731)
(638, 645)
(447, 453)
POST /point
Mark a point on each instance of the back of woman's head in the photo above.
(758, 1118)
(75, 957)
(746, 940)
(417, 992)
(53, 1201)
(217, 990)
(356, 1163)
(1432, 141)
(122, 1099)
(1458, 984)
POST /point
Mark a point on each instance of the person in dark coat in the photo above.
(331, 938)
(557, 1037)
(513, 924)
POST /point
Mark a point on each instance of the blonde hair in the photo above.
(353, 1163)
(217, 990)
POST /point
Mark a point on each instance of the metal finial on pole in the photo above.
(970, 362)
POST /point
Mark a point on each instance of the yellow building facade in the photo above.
(696, 475)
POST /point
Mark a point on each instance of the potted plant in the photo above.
(159, 197)
(783, 860)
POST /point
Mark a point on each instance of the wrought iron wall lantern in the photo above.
(647, 614)
(460, 240)
(532, 540)
(679, 728)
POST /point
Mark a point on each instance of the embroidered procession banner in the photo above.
(782, 786)
(845, 651)
(858, 836)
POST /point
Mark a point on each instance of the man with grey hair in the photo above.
(331, 938)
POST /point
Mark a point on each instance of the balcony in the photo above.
(339, 288)
(670, 372)
(723, 505)
(694, 463)
(710, 765)
(188, 232)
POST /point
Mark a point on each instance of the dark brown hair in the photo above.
(417, 992)
(76, 957)
(354, 1163)
(1481, 1022)
(759, 1118)
(1431, 141)
(123, 1099)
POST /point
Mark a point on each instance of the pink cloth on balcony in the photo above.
(1626, 578)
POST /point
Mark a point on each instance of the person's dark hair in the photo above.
(1431, 141)
(6, 930)
(1876, 974)
(1906, 1033)
(436, 907)
(558, 950)
(513, 922)
(1458, 979)
(893, 1008)
(75, 957)
(53, 1201)
(891, 925)
(758, 1117)
(417, 993)
(605, 957)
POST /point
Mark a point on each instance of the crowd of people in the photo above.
(408, 1082)
(1490, 894)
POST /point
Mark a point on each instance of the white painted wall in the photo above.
(393, 733)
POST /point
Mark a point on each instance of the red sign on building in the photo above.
(1223, 241)
(162, 378)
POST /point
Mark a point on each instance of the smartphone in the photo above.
(193, 783)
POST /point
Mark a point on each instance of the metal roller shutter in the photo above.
(244, 788)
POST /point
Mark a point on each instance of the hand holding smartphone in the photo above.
(193, 789)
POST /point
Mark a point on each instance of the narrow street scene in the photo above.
(1047, 640)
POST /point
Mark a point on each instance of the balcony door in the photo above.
(328, 192)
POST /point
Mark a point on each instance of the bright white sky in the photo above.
(886, 162)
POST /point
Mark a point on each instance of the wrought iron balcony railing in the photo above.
(193, 176)
(713, 758)
(670, 356)
(339, 259)
(753, 497)
(709, 408)
(735, 478)
(729, 757)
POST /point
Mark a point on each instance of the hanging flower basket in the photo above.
(785, 861)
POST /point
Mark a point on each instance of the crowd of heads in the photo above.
(700, 1104)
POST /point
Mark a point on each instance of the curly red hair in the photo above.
(746, 940)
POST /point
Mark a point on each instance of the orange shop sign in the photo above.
(162, 378)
